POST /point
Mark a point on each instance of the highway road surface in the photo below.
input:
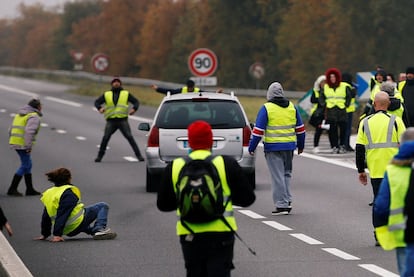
(329, 232)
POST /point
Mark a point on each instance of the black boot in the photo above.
(29, 185)
(99, 157)
(13, 187)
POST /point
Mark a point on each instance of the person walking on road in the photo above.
(279, 123)
(22, 137)
(407, 91)
(4, 223)
(208, 246)
(377, 142)
(394, 206)
(65, 214)
(114, 105)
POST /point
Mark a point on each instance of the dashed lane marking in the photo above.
(378, 270)
(130, 159)
(277, 226)
(306, 239)
(80, 138)
(251, 214)
(341, 254)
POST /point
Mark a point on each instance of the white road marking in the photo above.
(80, 138)
(327, 160)
(66, 102)
(60, 131)
(251, 214)
(306, 239)
(130, 159)
(277, 226)
(3, 110)
(378, 270)
(341, 254)
(44, 124)
(20, 91)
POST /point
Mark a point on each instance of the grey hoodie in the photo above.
(31, 128)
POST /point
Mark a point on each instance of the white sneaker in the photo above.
(104, 234)
(316, 150)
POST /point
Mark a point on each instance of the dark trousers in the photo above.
(336, 139)
(375, 183)
(110, 128)
(317, 136)
(208, 254)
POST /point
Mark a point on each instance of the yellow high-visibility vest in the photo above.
(216, 225)
(281, 123)
(391, 235)
(51, 198)
(120, 110)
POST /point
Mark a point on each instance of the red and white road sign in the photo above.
(202, 62)
(77, 56)
(100, 62)
(257, 70)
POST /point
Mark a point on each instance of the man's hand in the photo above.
(132, 111)
(56, 239)
(39, 238)
(154, 87)
(8, 229)
(101, 110)
(300, 151)
(363, 178)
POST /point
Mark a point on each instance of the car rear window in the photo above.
(221, 114)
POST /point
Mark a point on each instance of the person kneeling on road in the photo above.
(66, 214)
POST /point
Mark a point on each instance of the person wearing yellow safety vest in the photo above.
(207, 247)
(377, 142)
(337, 97)
(394, 206)
(406, 88)
(190, 87)
(347, 78)
(280, 125)
(65, 214)
(317, 112)
(397, 105)
(22, 137)
(379, 77)
(114, 105)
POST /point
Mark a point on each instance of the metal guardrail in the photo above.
(141, 81)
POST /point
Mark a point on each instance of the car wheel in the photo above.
(251, 177)
(153, 181)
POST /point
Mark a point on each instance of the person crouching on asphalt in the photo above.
(65, 213)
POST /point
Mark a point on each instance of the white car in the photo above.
(167, 138)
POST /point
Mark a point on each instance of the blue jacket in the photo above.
(260, 127)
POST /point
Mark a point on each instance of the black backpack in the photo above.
(199, 191)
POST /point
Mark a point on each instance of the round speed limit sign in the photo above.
(202, 62)
(100, 62)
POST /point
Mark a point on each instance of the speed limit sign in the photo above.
(100, 62)
(202, 62)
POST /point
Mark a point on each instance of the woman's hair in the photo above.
(60, 176)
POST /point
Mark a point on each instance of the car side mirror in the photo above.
(144, 126)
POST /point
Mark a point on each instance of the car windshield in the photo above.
(221, 114)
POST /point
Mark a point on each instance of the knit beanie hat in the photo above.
(34, 103)
(410, 70)
(275, 90)
(116, 79)
(388, 88)
(200, 135)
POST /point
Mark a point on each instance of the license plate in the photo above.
(185, 144)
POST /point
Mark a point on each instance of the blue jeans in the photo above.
(97, 213)
(280, 167)
(25, 163)
(405, 260)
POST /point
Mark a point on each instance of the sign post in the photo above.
(203, 63)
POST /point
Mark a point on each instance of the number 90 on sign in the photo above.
(202, 62)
